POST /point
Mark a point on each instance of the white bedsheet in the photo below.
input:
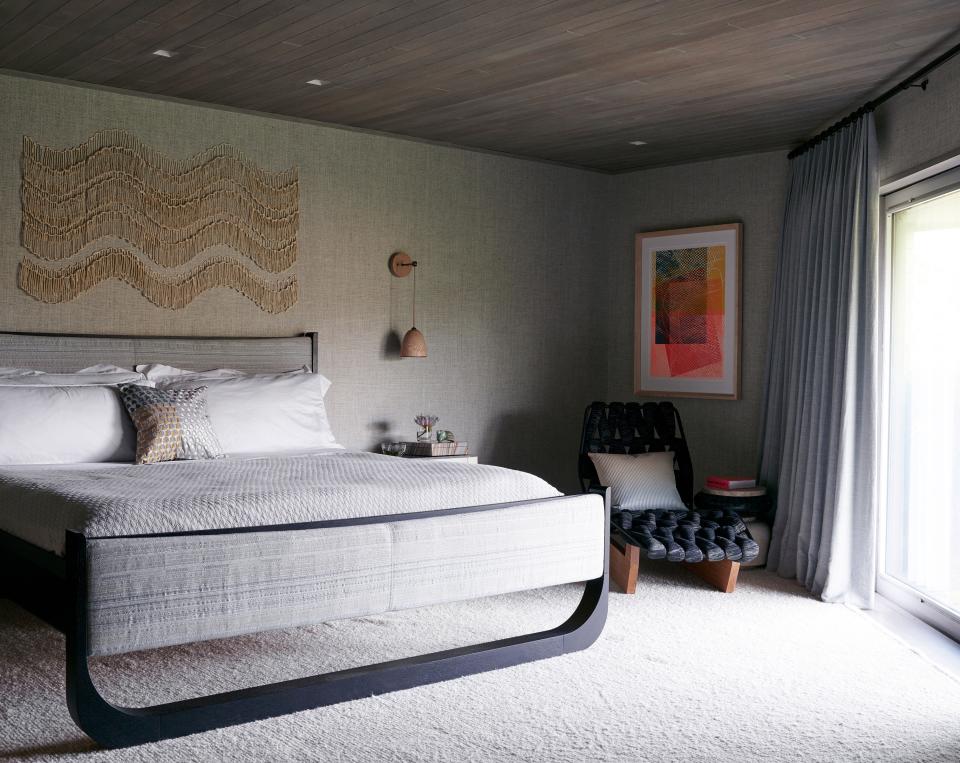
(38, 503)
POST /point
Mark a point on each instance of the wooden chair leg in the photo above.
(721, 575)
(624, 564)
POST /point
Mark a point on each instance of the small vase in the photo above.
(425, 434)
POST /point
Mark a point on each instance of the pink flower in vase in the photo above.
(426, 423)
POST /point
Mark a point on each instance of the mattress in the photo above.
(39, 503)
(146, 592)
(151, 592)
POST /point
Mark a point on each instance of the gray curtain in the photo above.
(819, 441)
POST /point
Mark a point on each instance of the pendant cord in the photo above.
(414, 296)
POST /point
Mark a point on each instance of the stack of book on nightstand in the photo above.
(427, 449)
(731, 483)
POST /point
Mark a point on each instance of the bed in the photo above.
(122, 557)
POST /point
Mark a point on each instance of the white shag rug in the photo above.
(681, 672)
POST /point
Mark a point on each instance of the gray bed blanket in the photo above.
(38, 503)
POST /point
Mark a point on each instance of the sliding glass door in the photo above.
(920, 558)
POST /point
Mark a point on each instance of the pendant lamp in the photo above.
(414, 344)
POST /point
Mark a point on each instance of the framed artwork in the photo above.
(687, 312)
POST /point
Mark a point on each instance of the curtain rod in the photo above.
(870, 105)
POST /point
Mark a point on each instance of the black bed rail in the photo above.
(113, 726)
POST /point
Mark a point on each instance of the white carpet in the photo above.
(680, 673)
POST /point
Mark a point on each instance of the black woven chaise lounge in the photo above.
(713, 551)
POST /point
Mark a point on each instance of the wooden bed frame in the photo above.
(55, 588)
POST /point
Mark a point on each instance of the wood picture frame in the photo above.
(687, 312)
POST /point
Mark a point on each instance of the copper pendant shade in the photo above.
(414, 344)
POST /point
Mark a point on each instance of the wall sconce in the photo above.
(414, 345)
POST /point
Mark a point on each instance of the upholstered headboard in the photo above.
(635, 428)
(70, 352)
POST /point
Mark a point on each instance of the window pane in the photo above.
(923, 511)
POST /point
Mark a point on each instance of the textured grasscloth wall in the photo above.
(510, 290)
(918, 128)
(748, 189)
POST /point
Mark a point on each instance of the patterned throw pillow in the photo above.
(171, 424)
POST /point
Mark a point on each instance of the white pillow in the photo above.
(64, 425)
(258, 413)
(103, 373)
(158, 371)
(639, 481)
(161, 372)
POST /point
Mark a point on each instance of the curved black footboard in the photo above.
(113, 726)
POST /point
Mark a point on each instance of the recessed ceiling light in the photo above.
(164, 53)
(317, 82)
(638, 142)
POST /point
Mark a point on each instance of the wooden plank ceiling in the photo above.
(572, 81)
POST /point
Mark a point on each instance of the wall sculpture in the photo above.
(164, 213)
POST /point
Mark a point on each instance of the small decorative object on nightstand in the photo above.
(426, 423)
(393, 448)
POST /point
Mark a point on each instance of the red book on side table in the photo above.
(731, 483)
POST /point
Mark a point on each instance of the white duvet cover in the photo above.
(38, 503)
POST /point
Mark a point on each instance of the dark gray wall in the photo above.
(918, 128)
(525, 290)
(915, 129)
(510, 288)
(748, 189)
